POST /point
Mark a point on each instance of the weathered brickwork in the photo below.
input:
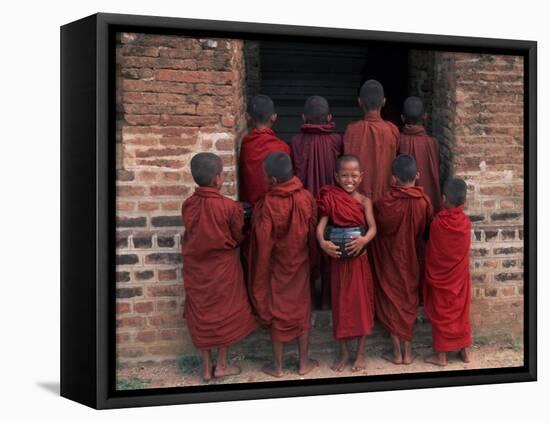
(175, 96)
(477, 116)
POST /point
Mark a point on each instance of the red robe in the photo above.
(447, 289)
(216, 308)
(255, 147)
(315, 150)
(416, 142)
(350, 278)
(402, 216)
(374, 141)
(281, 254)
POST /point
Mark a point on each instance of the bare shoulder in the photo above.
(363, 199)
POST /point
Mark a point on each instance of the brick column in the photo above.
(176, 96)
(478, 119)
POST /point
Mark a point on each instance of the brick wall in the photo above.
(175, 96)
(477, 116)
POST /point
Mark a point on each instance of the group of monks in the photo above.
(415, 242)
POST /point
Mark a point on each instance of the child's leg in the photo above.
(465, 355)
(437, 358)
(276, 367)
(360, 362)
(206, 358)
(306, 364)
(223, 368)
(342, 360)
(407, 352)
(395, 357)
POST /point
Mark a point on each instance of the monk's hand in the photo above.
(331, 249)
(356, 245)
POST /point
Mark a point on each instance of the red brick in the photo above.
(162, 152)
(169, 190)
(133, 321)
(148, 205)
(125, 205)
(143, 307)
(169, 163)
(122, 308)
(129, 191)
(219, 78)
(171, 205)
(165, 290)
(146, 336)
(167, 274)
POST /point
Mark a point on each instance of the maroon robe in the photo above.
(255, 147)
(402, 216)
(216, 308)
(447, 292)
(416, 142)
(374, 141)
(315, 150)
(350, 278)
(281, 254)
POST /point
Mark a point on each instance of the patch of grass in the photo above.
(188, 364)
(123, 384)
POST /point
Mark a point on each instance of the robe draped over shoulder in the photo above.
(350, 278)
(255, 147)
(415, 142)
(447, 293)
(374, 141)
(315, 150)
(216, 308)
(402, 216)
(282, 251)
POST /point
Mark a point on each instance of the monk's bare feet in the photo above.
(393, 358)
(439, 359)
(408, 357)
(229, 370)
(207, 373)
(308, 366)
(464, 355)
(340, 364)
(359, 364)
(272, 370)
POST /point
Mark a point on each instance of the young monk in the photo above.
(447, 289)
(351, 280)
(315, 150)
(281, 254)
(415, 141)
(255, 146)
(317, 146)
(373, 140)
(216, 308)
(402, 215)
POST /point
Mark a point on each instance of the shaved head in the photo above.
(455, 189)
(372, 95)
(261, 108)
(403, 168)
(347, 158)
(413, 110)
(205, 167)
(316, 109)
(278, 165)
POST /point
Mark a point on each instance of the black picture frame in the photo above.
(88, 214)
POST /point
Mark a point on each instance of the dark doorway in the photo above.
(291, 72)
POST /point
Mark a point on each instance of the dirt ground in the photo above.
(255, 352)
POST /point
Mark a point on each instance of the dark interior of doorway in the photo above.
(291, 72)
